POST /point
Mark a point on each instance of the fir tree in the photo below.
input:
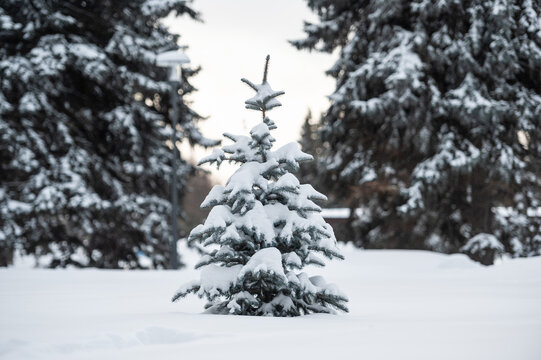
(310, 144)
(264, 225)
(435, 120)
(84, 166)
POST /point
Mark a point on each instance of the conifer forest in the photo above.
(283, 179)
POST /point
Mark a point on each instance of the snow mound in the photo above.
(482, 241)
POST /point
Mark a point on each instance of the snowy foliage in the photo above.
(483, 248)
(435, 120)
(263, 227)
(84, 166)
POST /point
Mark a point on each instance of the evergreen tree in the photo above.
(435, 120)
(310, 144)
(84, 166)
(313, 172)
(264, 225)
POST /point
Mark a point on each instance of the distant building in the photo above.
(341, 215)
(338, 219)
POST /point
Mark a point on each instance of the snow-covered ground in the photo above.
(403, 305)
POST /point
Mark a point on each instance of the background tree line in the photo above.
(85, 165)
(433, 129)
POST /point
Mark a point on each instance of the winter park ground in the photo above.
(403, 305)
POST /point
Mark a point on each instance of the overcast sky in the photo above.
(232, 43)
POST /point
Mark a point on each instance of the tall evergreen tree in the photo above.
(84, 166)
(435, 122)
(264, 225)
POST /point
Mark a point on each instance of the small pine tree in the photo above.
(310, 144)
(264, 225)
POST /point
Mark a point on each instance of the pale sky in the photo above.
(232, 43)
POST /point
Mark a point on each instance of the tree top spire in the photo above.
(265, 97)
(267, 59)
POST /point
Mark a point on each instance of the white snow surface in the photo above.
(403, 305)
(340, 213)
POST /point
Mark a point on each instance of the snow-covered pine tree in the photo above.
(263, 227)
(84, 166)
(435, 123)
(310, 144)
